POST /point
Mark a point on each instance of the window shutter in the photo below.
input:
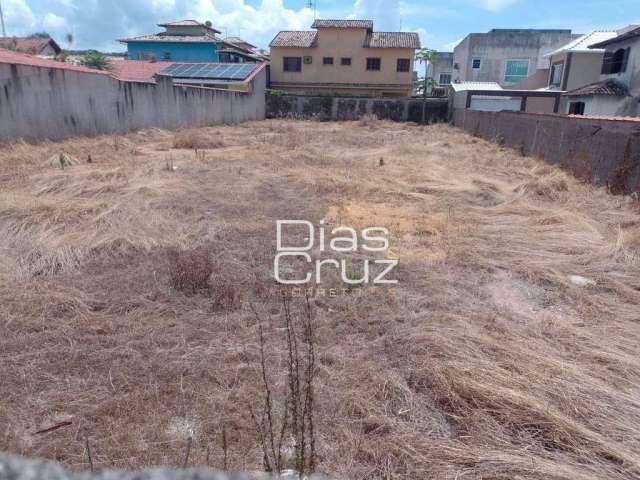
(625, 60)
(606, 62)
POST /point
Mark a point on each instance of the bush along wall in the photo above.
(335, 107)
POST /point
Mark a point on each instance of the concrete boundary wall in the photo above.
(352, 108)
(50, 103)
(13, 467)
(605, 152)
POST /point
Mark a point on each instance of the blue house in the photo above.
(182, 41)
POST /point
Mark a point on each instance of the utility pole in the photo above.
(4, 32)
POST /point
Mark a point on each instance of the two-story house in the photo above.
(617, 92)
(344, 56)
(507, 56)
(441, 70)
(182, 41)
(576, 64)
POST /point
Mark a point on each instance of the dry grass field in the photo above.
(489, 360)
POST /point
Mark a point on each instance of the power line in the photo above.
(4, 32)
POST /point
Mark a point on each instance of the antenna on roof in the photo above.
(4, 32)
(312, 4)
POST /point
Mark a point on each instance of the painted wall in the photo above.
(497, 46)
(338, 43)
(443, 64)
(178, 51)
(607, 105)
(49, 103)
(603, 152)
(631, 77)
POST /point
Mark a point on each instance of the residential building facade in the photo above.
(617, 93)
(182, 41)
(441, 70)
(575, 65)
(507, 56)
(344, 56)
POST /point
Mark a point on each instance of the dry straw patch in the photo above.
(126, 294)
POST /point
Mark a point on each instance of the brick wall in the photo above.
(603, 151)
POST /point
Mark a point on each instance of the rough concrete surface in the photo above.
(19, 468)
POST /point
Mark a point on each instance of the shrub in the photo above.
(191, 140)
(189, 270)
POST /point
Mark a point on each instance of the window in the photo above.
(475, 64)
(516, 70)
(445, 79)
(555, 79)
(166, 55)
(576, 108)
(615, 62)
(373, 64)
(292, 64)
(345, 61)
(327, 60)
(404, 65)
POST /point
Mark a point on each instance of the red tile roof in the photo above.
(136, 71)
(610, 87)
(29, 45)
(7, 56)
(367, 24)
(392, 40)
(295, 39)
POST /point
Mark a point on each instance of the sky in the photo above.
(441, 23)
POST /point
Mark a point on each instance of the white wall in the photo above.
(55, 103)
(599, 105)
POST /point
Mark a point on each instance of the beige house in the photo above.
(575, 65)
(344, 56)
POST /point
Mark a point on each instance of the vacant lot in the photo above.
(508, 350)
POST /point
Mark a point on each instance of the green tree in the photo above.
(40, 35)
(95, 59)
(427, 57)
(69, 38)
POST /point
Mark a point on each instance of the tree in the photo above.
(40, 35)
(428, 57)
(69, 38)
(95, 59)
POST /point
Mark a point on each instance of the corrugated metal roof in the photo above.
(464, 86)
(608, 87)
(367, 24)
(392, 40)
(582, 43)
(628, 35)
(295, 39)
(163, 37)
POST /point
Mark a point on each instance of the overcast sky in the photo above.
(441, 23)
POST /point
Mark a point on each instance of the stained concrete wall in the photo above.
(349, 108)
(51, 103)
(604, 152)
(499, 45)
(19, 468)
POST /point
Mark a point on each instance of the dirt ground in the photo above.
(508, 349)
